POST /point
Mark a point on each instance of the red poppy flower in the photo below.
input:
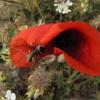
(78, 41)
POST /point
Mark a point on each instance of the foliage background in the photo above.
(16, 15)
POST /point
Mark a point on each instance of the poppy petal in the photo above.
(24, 42)
(81, 45)
(79, 42)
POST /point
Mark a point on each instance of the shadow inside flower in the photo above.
(70, 41)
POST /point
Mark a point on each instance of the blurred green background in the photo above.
(17, 15)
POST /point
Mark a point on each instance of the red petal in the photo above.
(24, 42)
(85, 59)
(84, 56)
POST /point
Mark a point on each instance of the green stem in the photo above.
(72, 76)
(39, 10)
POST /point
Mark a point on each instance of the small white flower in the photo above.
(10, 96)
(63, 6)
